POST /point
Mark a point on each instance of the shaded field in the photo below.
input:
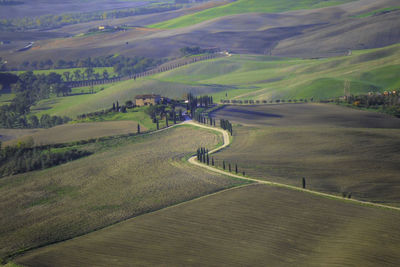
(338, 150)
(252, 225)
(78, 131)
(124, 178)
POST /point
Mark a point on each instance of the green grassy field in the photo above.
(124, 178)
(244, 6)
(248, 77)
(5, 99)
(338, 150)
(270, 78)
(253, 225)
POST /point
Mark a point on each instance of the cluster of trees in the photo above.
(226, 125)
(196, 50)
(30, 88)
(198, 102)
(24, 158)
(203, 156)
(388, 102)
(198, 116)
(123, 66)
(55, 21)
(40, 86)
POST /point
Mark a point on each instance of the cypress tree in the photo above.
(223, 164)
(236, 168)
(198, 154)
(244, 173)
(166, 120)
(158, 125)
(304, 182)
(212, 161)
(174, 118)
(230, 167)
(117, 106)
(208, 160)
(113, 107)
(138, 128)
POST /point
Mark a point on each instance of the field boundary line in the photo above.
(227, 141)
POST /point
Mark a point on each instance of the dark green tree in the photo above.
(236, 169)
(304, 182)
(138, 128)
(223, 164)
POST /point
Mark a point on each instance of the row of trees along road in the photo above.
(204, 157)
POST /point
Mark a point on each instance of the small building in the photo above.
(145, 100)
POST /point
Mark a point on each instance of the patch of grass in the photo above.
(245, 6)
(250, 225)
(6, 98)
(335, 148)
(378, 12)
(125, 177)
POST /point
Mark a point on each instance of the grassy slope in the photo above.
(338, 150)
(275, 78)
(248, 226)
(250, 77)
(245, 6)
(124, 178)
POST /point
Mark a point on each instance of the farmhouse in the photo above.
(144, 100)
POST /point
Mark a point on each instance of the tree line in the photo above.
(24, 158)
(252, 102)
(204, 157)
(29, 89)
(388, 102)
(122, 66)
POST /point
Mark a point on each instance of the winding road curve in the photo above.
(193, 160)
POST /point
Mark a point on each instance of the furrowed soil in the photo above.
(78, 131)
(338, 150)
(255, 225)
(126, 177)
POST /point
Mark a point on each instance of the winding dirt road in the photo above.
(193, 160)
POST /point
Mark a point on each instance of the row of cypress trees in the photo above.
(204, 157)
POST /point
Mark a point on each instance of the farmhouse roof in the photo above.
(146, 96)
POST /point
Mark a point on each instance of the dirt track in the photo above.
(227, 142)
